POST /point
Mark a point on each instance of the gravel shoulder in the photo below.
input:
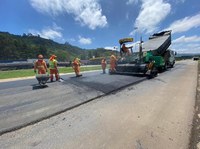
(195, 134)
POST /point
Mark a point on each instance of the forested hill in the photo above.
(28, 46)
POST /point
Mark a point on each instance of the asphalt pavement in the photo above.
(153, 114)
(24, 102)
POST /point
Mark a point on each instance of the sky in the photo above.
(91, 24)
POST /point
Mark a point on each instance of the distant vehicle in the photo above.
(195, 58)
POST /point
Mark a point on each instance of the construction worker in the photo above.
(151, 68)
(150, 64)
(40, 65)
(125, 49)
(76, 66)
(103, 65)
(113, 61)
(53, 67)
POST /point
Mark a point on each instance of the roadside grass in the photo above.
(29, 72)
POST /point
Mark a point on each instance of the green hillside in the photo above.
(28, 46)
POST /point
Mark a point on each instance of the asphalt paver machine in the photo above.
(151, 58)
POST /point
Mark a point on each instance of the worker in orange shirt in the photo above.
(113, 61)
(103, 65)
(40, 65)
(76, 66)
(53, 67)
(125, 49)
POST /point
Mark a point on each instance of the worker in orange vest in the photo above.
(113, 61)
(53, 67)
(76, 66)
(40, 65)
(103, 65)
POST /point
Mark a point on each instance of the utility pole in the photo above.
(135, 28)
(116, 50)
(140, 49)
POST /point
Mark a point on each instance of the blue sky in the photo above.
(101, 23)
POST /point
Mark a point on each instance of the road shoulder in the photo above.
(195, 132)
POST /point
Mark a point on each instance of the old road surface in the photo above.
(152, 114)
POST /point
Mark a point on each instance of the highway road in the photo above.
(152, 114)
(24, 102)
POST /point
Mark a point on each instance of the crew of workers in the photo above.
(40, 66)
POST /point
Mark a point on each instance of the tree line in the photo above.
(28, 46)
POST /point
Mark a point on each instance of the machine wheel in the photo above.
(110, 72)
(172, 65)
(165, 67)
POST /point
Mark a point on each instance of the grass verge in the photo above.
(29, 72)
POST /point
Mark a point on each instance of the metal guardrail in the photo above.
(25, 65)
(30, 65)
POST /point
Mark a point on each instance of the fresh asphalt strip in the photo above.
(92, 87)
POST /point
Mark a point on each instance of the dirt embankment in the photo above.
(195, 133)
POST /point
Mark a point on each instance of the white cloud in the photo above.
(53, 7)
(72, 39)
(184, 39)
(129, 2)
(48, 32)
(185, 24)
(84, 41)
(187, 49)
(186, 44)
(127, 16)
(114, 48)
(151, 14)
(179, 1)
(175, 2)
(87, 12)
